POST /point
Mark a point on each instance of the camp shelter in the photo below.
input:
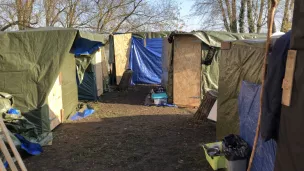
(239, 61)
(92, 81)
(194, 67)
(141, 52)
(37, 68)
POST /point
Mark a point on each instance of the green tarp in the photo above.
(213, 39)
(30, 62)
(243, 62)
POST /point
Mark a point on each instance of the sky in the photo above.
(190, 24)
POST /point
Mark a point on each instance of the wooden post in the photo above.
(2, 168)
(270, 21)
(288, 78)
(7, 155)
(12, 145)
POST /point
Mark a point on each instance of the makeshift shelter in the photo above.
(194, 67)
(38, 69)
(140, 52)
(239, 61)
(95, 77)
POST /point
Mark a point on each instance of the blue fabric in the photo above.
(249, 106)
(80, 115)
(31, 148)
(272, 96)
(146, 62)
(83, 46)
(13, 111)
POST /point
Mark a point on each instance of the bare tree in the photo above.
(17, 13)
(24, 13)
(242, 16)
(286, 20)
(231, 13)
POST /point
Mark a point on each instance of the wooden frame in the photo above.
(7, 155)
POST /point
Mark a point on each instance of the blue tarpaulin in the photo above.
(249, 103)
(84, 46)
(146, 62)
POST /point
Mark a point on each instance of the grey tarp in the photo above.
(30, 62)
(243, 62)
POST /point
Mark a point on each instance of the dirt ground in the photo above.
(124, 135)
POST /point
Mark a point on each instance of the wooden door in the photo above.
(187, 71)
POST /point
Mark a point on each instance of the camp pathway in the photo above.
(124, 135)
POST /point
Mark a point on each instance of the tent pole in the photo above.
(274, 4)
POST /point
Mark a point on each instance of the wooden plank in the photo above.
(98, 72)
(7, 155)
(225, 45)
(12, 145)
(2, 168)
(122, 47)
(288, 78)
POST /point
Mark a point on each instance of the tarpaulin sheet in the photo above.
(248, 106)
(30, 63)
(87, 90)
(145, 62)
(243, 61)
(272, 97)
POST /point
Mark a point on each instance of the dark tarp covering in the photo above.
(297, 39)
(243, 61)
(272, 97)
(249, 106)
(87, 90)
(290, 152)
(30, 62)
(145, 62)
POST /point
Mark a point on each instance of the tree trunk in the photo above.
(285, 20)
(242, 16)
(251, 26)
(259, 23)
(233, 24)
(24, 13)
(220, 2)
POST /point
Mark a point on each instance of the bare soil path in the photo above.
(124, 135)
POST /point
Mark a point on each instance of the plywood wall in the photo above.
(122, 46)
(187, 71)
(98, 72)
(55, 104)
(166, 56)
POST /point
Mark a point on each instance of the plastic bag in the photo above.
(235, 148)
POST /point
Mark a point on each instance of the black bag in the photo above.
(235, 148)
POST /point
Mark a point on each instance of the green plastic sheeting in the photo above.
(243, 62)
(30, 62)
(210, 73)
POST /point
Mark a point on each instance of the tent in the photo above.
(141, 52)
(37, 68)
(94, 79)
(240, 61)
(194, 67)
